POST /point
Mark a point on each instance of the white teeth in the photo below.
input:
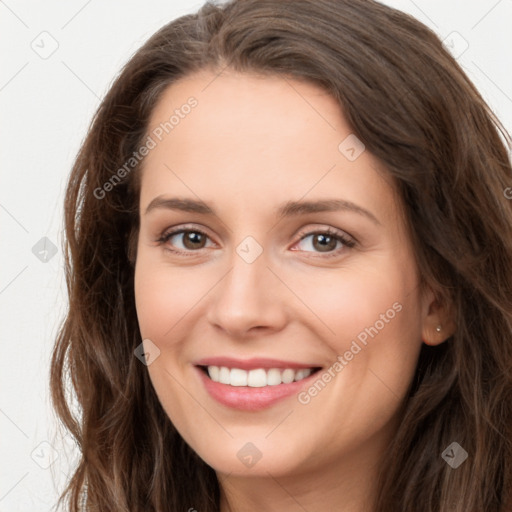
(224, 375)
(213, 372)
(302, 374)
(238, 377)
(256, 378)
(273, 377)
(288, 375)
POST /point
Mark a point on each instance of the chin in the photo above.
(255, 458)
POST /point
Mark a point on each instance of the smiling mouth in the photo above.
(258, 377)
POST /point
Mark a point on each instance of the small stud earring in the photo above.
(438, 328)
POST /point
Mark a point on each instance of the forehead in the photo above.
(251, 138)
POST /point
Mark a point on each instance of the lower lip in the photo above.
(247, 398)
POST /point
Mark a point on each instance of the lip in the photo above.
(253, 363)
(246, 398)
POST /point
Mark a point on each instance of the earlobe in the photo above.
(436, 339)
(439, 323)
(438, 328)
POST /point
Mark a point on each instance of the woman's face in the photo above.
(289, 256)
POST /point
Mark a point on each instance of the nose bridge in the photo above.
(247, 296)
(248, 279)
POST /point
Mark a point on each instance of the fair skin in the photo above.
(251, 144)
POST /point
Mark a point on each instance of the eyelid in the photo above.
(320, 229)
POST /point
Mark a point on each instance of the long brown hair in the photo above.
(411, 104)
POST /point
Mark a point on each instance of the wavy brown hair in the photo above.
(411, 104)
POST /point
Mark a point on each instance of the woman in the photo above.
(334, 330)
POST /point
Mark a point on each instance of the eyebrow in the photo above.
(288, 209)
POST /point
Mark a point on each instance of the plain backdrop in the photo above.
(57, 61)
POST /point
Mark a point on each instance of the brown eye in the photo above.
(183, 241)
(193, 239)
(326, 241)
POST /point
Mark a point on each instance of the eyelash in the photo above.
(337, 235)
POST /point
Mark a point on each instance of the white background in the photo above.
(46, 105)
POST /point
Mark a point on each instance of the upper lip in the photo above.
(253, 363)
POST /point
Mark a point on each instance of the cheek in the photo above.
(348, 302)
(376, 324)
(164, 296)
(371, 317)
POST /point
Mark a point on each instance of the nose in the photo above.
(248, 300)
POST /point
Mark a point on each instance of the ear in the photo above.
(439, 321)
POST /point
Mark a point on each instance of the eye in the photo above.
(192, 240)
(327, 241)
